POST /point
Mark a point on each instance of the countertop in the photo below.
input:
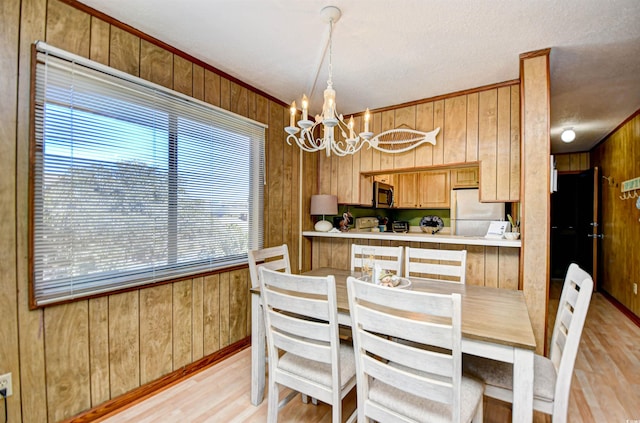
(418, 237)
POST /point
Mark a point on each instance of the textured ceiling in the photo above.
(392, 52)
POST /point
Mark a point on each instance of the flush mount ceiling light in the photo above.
(568, 135)
(393, 141)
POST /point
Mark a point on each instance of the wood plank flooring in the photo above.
(605, 386)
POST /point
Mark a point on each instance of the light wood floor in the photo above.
(605, 386)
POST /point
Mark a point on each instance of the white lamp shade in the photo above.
(324, 204)
(321, 205)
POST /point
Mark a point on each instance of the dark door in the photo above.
(574, 223)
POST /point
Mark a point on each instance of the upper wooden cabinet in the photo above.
(423, 190)
(465, 178)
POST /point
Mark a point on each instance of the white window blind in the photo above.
(133, 183)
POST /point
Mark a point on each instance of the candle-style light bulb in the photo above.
(293, 110)
(367, 117)
(305, 107)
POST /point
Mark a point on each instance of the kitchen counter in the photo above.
(418, 237)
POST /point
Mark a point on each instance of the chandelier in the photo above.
(393, 141)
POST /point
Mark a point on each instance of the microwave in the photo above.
(382, 195)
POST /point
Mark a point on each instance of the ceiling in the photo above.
(387, 53)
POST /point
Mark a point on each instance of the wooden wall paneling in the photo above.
(535, 201)
(66, 331)
(124, 51)
(297, 185)
(251, 105)
(238, 304)
(198, 82)
(182, 323)
(29, 400)
(275, 173)
(387, 121)
(325, 165)
(225, 308)
(375, 126)
(503, 145)
(491, 266)
(455, 129)
(335, 173)
(487, 137)
(563, 162)
(355, 167)
(238, 99)
(211, 313)
(9, 298)
(310, 174)
(344, 179)
(289, 185)
(182, 75)
(508, 265)
(100, 34)
(68, 28)
(405, 118)
(124, 342)
(225, 93)
(156, 335)
(212, 88)
(514, 176)
(472, 127)
(197, 316)
(341, 253)
(424, 122)
(475, 265)
(438, 122)
(585, 163)
(99, 349)
(156, 64)
(366, 164)
(322, 252)
(574, 161)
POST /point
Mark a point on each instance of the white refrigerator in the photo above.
(470, 217)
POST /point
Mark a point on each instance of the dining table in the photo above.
(495, 325)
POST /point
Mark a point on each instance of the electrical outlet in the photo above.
(635, 289)
(5, 383)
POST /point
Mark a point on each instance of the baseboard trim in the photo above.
(634, 318)
(133, 397)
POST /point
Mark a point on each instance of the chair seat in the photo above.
(500, 374)
(424, 410)
(321, 372)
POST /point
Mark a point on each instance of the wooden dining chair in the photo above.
(448, 265)
(305, 352)
(274, 258)
(552, 376)
(389, 258)
(408, 356)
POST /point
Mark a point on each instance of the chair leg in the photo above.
(314, 401)
(479, 416)
(305, 399)
(272, 408)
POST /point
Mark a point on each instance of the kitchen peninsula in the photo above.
(490, 262)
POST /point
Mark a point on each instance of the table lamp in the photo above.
(321, 205)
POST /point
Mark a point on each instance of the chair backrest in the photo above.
(448, 265)
(408, 340)
(301, 317)
(567, 330)
(389, 258)
(274, 258)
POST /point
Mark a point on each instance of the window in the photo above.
(133, 183)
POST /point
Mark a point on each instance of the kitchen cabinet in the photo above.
(423, 190)
(465, 178)
(387, 179)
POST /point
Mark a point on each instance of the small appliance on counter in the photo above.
(400, 226)
(366, 223)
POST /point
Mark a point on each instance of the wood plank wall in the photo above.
(476, 125)
(572, 162)
(536, 198)
(68, 358)
(618, 158)
(497, 267)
